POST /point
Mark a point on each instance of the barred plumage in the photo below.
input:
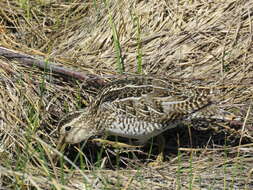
(140, 107)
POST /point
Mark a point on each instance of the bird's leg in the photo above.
(160, 157)
(114, 144)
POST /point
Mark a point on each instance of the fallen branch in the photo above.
(32, 61)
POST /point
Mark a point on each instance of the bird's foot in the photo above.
(159, 160)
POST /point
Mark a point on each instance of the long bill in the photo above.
(61, 144)
(60, 148)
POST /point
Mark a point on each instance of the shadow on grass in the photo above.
(180, 137)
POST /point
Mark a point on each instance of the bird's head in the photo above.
(76, 127)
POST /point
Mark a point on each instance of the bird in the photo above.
(140, 107)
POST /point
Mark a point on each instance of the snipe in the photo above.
(140, 107)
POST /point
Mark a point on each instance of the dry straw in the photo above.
(208, 40)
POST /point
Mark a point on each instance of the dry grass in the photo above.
(211, 40)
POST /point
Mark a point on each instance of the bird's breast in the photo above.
(132, 127)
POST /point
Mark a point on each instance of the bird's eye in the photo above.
(68, 128)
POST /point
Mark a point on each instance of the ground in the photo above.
(206, 40)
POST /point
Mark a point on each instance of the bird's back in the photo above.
(142, 107)
(136, 86)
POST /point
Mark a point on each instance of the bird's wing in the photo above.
(137, 86)
(156, 109)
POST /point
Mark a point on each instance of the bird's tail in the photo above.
(213, 112)
(199, 106)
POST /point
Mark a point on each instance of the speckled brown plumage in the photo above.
(140, 107)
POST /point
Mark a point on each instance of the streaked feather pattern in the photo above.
(141, 107)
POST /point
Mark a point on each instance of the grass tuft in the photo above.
(208, 41)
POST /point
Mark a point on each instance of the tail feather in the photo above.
(213, 112)
(199, 106)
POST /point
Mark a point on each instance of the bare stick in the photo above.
(32, 61)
